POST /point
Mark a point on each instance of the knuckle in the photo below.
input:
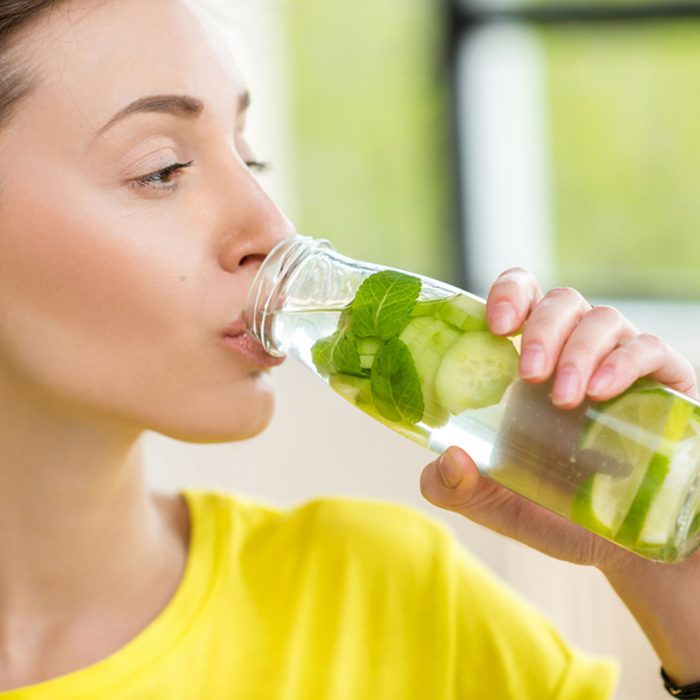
(606, 312)
(690, 383)
(516, 272)
(575, 353)
(689, 369)
(625, 353)
(653, 342)
(568, 294)
(506, 287)
(516, 278)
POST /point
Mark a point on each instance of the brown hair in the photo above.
(14, 83)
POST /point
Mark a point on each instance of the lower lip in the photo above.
(252, 350)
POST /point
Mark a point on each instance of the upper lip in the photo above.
(238, 327)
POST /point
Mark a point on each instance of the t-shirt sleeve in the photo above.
(506, 648)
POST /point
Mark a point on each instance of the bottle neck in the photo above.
(301, 275)
(272, 289)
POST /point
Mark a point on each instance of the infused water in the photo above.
(417, 355)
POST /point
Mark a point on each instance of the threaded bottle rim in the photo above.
(266, 294)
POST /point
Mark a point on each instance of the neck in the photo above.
(78, 528)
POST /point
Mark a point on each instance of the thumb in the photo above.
(453, 482)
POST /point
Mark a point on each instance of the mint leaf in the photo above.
(337, 353)
(396, 389)
(383, 304)
(347, 355)
(345, 318)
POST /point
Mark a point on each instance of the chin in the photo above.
(249, 418)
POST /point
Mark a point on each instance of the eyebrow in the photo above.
(184, 106)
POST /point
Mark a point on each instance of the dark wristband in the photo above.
(692, 690)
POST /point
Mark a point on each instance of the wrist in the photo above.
(689, 690)
(663, 600)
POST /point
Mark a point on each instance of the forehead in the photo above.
(89, 58)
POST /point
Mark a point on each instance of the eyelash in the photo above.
(258, 166)
(157, 179)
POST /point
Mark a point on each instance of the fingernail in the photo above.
(449, 471)
(532, 361)
(566, 387)
(502, 317)
(601, 381)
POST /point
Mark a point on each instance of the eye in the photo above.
(258, 166)
(163, 178)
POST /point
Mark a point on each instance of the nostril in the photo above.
(253, 260)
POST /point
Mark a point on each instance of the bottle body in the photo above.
(416, 354)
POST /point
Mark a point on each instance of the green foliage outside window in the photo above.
(625, 139)
(369, 130)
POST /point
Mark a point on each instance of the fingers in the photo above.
(644, 355)
(547, 329)
(593, 352)
(510, 300)
(572, 339)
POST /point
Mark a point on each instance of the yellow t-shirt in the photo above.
(340, 599)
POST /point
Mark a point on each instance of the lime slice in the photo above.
(636, 430)
(582, 509)
(664, 509)
(654, 482)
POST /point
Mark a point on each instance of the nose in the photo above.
(252, 222)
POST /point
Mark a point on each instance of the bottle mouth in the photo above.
(267, 295)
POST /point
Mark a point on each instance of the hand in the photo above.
(598, 353)
(589, 352)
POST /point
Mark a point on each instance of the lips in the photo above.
(235, 328)
(237, 338)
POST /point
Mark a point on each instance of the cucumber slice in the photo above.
(366, 361)
(418, 331)
(356, 390)
(464, 313)
(428, 340)
(368, 348)
(427, 307)
(475, 372)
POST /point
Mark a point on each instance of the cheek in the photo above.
(117, 312)
(70, 276)
(79, 282)
(83, 263)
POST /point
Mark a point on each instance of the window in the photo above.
(580, 144)
(372, 164)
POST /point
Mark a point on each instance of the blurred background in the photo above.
(457, 139)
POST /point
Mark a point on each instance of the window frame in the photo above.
(676, 321)
(463, 18)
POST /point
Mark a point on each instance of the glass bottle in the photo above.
(417, 355)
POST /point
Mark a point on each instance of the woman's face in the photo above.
(117, 277)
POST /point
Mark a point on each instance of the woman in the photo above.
(131, 227)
